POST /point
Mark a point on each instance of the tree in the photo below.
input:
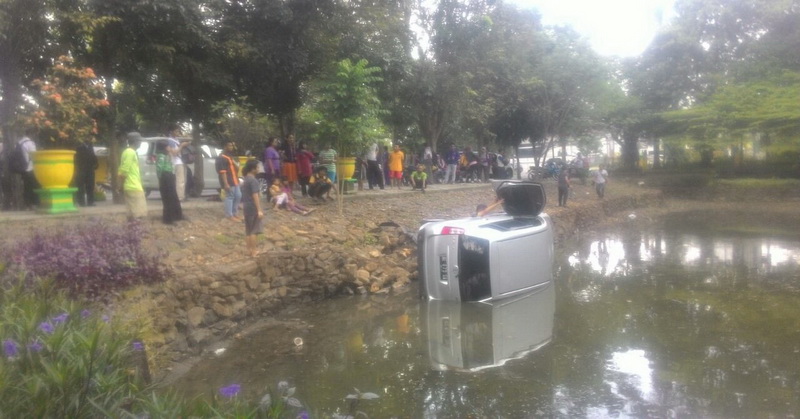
(767, 107)
(569, 72)
(273, 48)
(348, 100)
(379, 31)
(441, 76)
(712, 45)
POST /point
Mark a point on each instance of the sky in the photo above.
(613, 27)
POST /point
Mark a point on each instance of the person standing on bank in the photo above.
(272, 160)
(253, 213)
(289, 168)
(563, 186)
(304, 167)
(178, 165)
(227, 166)
(130, 181)
(85, 165)
(165, 171)
(600, 180)
(374, 173)
(327, 158)
(396, 160)
(29, 182)
(451, 158)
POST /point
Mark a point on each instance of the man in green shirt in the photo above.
(130, 181)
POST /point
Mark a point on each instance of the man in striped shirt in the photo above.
(327, 158)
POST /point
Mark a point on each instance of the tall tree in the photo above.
(274, 48)
(441, 75)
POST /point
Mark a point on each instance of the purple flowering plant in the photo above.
(47, 327)
(10, 348)
(61, 318)
(93, 260)
(230, 390)
(35, 346)
(51, 347)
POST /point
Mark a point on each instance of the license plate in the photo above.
(443, 268)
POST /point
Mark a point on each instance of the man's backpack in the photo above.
(17, 160)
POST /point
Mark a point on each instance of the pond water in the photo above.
(636, 324)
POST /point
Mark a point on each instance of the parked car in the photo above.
(491, 257)
(147, 164)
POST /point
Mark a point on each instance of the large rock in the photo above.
(227, 291)
(200, 337)
(195, 316)
(362, 276)
(252, 282)
(222, 310)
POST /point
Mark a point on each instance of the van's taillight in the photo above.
(452, 231)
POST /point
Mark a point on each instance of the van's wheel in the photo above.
(263, 186)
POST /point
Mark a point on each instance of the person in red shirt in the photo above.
(304, 168)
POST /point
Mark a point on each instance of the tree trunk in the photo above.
(199, 179)
(11, 94)
(630, 150)
(656, 153)
(286, 124)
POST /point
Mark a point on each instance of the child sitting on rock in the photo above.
(282, 198)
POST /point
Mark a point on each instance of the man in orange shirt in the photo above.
(227, 166)
(396, 159)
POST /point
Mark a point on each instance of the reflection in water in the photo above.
(646, 324)
(610, 256)
(474, 336)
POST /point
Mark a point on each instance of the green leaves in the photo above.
(348, 102)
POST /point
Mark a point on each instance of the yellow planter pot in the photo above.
(242, 161)
(345, 167)
(54, 168)
(101, 174)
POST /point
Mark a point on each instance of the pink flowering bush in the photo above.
(71, 98)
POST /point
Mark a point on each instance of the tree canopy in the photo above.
(471, 72)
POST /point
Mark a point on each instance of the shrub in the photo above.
(59, 359)
(93, 259)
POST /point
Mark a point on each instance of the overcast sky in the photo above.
(614, 27)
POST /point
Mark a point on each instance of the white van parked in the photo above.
(147, 164)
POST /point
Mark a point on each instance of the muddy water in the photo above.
(637, 324)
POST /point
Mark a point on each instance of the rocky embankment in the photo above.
(369, 248)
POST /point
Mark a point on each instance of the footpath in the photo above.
(209, 200)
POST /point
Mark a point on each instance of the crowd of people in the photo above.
(282, 170)
(380, 167)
